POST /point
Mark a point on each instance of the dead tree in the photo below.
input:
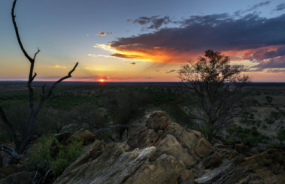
(21, 144)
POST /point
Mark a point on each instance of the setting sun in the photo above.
(101, 80)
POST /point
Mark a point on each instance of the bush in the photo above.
(231, 140)
(270, 146)
(50, 154)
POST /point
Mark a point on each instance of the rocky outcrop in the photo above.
(159, 152)
(162, 152)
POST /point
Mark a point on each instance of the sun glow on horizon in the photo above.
(101, 80)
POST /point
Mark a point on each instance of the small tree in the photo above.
(281, 136)
(217, 86)
(22, 142)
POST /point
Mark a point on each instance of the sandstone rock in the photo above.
(110, 164)
(86, 135)
(170, 146)
(216, 173)
(142, 138)
(23, 177)
(186, 175)
(212, 161)
(203, 147)
(243, 175)
(158, 121)
(268, 165)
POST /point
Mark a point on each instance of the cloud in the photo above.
(245, 36)
(280, 7)
(277, 62)
(133, 63)
(170, 71)
(154, 21)
(57, 66)
(104, 34)
(275, 70)
(254, 7)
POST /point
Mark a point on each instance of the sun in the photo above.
(101, 80)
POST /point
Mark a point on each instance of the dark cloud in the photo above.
(259, 55)
(278, 62)
(104, 34)
(280, 7)
(154, 21)
(132, 63)
(221, 32)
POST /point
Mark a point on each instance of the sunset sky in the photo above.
(140, 40)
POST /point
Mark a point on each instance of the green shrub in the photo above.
(50, 154)
(270, 146)
(231, 140)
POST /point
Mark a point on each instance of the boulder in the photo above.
(203, 147)
(158, 121)
(212, 161)
(86, 135)
(170, 146)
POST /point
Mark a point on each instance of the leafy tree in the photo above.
(127, 107)
(281, 136)
(31, 125)
(218, 88)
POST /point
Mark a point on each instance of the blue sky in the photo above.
(66, 31)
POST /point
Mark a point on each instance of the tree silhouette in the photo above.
(217, 87)
(22, 142)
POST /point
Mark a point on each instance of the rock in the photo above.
(158, 121)
(110, 164)
(170, 146)
(225, 152)
(243, 175)
(86, 135)
(9, 169)
(203, 147)
(216, 173)
(62, 137)
(142, 138)
(23, 177)
(188, 140)
(186, 175)
(269, 165)
(212, 161)
(241, 148)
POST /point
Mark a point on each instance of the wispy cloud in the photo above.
(57, 66)
(170, 71)
(280, 7)
(104, 33)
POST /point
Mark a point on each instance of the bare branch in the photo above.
(36, 53)
(9, 125)
(17, 33)
(57, 82)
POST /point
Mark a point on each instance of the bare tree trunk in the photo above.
(20, 145)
